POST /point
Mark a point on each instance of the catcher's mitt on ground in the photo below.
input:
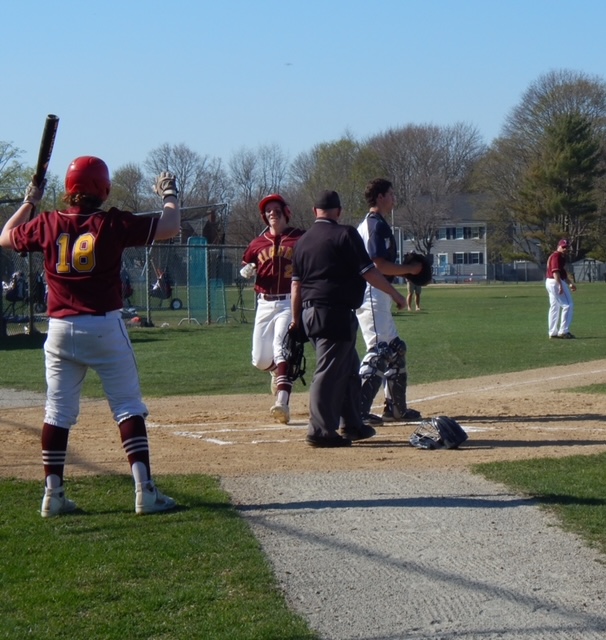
(424, 276)
(438, 433)
(293, 348)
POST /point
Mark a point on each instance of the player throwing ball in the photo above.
(82, 247)
(268, 258)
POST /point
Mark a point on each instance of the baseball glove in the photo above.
(438, 433)
(424, 276)
(293, 348)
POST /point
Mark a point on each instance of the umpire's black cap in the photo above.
(327, 200)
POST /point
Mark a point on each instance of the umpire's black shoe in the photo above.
(372, 419)
(361, 433)
(326, 443)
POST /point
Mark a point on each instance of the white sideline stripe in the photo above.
(157, 425)
(565, 429)
(508, 385)
(198, 436)
(222, 443)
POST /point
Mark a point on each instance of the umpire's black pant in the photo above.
(335, 386)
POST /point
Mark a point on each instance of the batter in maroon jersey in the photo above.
(268, 258)
(82, 247)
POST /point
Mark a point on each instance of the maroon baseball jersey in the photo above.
(83, 255)
(273, 257)
(556, 262)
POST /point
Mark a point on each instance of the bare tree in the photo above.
(254, 173)
(345, 165)
(429, 166)
(192, 171)
(557, 93)
(131, 189)
(12, 180)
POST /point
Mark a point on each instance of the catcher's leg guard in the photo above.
(397, 379)
(372, 369)
(397, 396)
(369, 389)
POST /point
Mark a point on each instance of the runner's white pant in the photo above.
(100, 342)
(271, 325)
(561, 307)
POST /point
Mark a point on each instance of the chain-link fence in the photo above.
(162, 285)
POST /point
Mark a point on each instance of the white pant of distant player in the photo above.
(271, 325)
(561, 307)
(100, 342)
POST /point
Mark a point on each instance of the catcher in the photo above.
(385, 361)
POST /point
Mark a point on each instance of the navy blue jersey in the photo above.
(378, 238)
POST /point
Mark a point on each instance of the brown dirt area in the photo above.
(508, 417)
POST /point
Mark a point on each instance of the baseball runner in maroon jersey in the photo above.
(268, 258)
(82, 247)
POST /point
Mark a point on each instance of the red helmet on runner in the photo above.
(274, 197)
(89, 176)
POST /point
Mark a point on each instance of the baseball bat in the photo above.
(46, 147)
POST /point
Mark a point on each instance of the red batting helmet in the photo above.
(89, 176)
(274, 197)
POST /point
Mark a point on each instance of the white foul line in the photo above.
(507, 385)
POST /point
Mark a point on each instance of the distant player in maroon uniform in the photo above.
(82, 247)
(268, 258)
(559, 283)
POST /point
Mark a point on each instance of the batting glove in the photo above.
(166, 185)
(248, 270)
(34, 193)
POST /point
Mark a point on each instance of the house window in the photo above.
(460, 233)
(473, 257)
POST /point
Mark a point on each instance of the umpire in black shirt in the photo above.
(330, 271)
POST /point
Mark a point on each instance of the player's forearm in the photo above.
(170, 220)
(376, 279)
(388, 268)
(295, 301)
(19, 217)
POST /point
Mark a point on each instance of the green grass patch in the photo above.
(106, 573)
(574, 488)
(463, 331)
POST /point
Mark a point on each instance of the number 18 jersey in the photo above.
(83, 255)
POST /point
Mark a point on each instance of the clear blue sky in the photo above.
(126, 76)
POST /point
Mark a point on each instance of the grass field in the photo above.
(463, 332)
(197, 572)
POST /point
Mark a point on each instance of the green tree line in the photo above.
(542, 178)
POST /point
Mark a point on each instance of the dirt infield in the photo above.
(508, 417)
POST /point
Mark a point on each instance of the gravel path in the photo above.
(395, 555)
(11, 398)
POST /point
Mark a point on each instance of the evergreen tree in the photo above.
(557, 196)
